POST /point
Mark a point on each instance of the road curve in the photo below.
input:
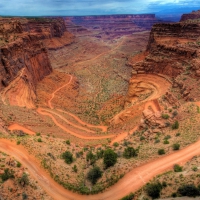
(43, 111)
(131, 182)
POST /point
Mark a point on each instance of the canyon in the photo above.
(90, 83)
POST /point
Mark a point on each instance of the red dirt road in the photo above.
(131, 182)
(21, 128)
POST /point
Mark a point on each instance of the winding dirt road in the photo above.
(131, 182)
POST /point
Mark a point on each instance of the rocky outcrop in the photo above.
(170, 47)
(191, 16)
(110, 25)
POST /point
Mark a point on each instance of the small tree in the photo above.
(161, 151)
(178, 168)
(94, 174)
(176, 146)
(23, 180)
(68, 157)
(188, 190)
(7, 174)
(110, 158)
(91, 158)
(130, 152)
(154, 189)
(175, 125)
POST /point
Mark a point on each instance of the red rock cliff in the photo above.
(23, 55)
(171, 45)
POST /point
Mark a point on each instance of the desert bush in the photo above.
(166, 142)
(39, 140)
(128, 197)
(116, 144)
(74, 168)
(68, 157)
(161, 151)
(130, 152)
(23, 180)
(94, 174)
(91, 158)
(175, 125)
(178, 168)
(153, 189)
(188, 190)
(7, 174)
(176, 146)
(165, 116)
(100, 153)
(67, 142)
(109, 158)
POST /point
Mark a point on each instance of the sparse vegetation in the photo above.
(188, 190)
(178, 168)
(175, 125)
(68, 157)
(7, 174)
(176, 146)
(161, 151)
(153, 189)
(110, 158)
(94, 174)
(130, 152)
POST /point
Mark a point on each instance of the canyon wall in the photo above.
(170, 47)
(111, 25)
(23, 55)
(191, 16)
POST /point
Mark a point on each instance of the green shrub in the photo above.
(142, 138)
(99, 154)
(74, 168)
(166, 142)
(67, 142)
(19, 164)
(38, 134)
(178, 168)
(116, 144)
(176, 146)
(175, 125)
(68, 157)
(195, 168)
(165, 116)
(109, 158)
(94, 174)
(167, 137)
(23, 180)
(7, 174)
(188, 190)
(178, 134)
(157, 141)
(198, 109)
(18, 142)
(161, 151)
(130, 152)
(91, 157)
(128, 197)
(39, 140)
(153, 189)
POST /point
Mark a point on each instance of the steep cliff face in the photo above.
(191, 16)
(169, 47)
(23, 56)
(111, 25)
(173, 52)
